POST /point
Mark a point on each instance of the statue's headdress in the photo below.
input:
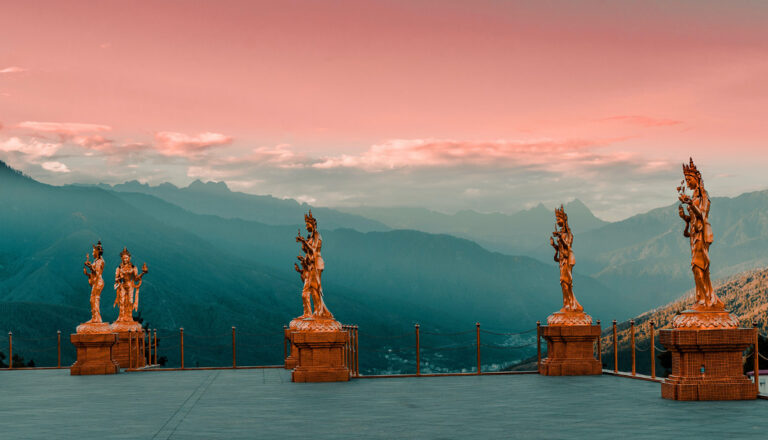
(124, 252)
(561, 215)
(99, 250)
(691, 170)
(310, 219)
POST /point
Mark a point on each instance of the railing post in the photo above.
(653, 350)
(155, 347)
(418, 354)
(756, 355)
(10, 350)
(357, 354)
(58, 348)
(632, 331)
(345, 353)
(285, 343)
(234, 349)
(600, 345)
(477, 325)
(130, 349)
(138, 350)
(143, 351)
(615, 349)
(538, 345)
(181, 334)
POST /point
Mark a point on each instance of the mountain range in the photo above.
(207, 273)
(219, 258)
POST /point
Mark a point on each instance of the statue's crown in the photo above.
(560, 213)
(124, 252)
(310, 219)
(691, 170)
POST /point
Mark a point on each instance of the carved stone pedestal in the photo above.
(707, 364)
(292, 360)
(136, 357)
(570, 350)
(320, 356)
(94, 354)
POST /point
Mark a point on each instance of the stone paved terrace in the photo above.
(264, 404)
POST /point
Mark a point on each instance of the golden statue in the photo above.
(127, 283)
(694, 210)
(95, 280)
(311, 271)
(94, 325)
(561, 240)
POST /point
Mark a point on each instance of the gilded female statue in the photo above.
(312, 269)
(127, 283)
(699, 231)
(562, 242)
(95, 280)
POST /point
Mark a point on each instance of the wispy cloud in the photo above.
(13, 69)
(171, 143)
(425, 153)
(67, 128)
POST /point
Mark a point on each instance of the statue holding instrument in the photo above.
(707, 311)
(572, 313)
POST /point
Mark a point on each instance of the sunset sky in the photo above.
(449, 105)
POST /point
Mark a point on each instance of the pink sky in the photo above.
(364, 87)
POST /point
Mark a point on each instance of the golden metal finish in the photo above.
(93, 270)
(572, 312)
(708, 311)
(311, 271)
(127, 283)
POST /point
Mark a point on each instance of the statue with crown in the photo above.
(317, 339)
(94, 339)
(705, 341)
(128, 280)
(569, 332)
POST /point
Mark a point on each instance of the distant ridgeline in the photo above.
(221, 258)
(210, 273)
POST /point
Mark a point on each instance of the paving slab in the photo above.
(264, 404)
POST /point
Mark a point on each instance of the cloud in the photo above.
(424, 153)
(56, 167)
(170, 143)
(643, 121)
(64, 128)
(13, 69)
(32, 148)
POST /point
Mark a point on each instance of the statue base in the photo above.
(703, 318)
(94, 354)
(321, 356)
(129, 349)
(707, 364)
(292, 360)
(315, 324)
(566, 317)
(570, 350)
(93, 327)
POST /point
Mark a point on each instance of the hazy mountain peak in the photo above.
(199, 185)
